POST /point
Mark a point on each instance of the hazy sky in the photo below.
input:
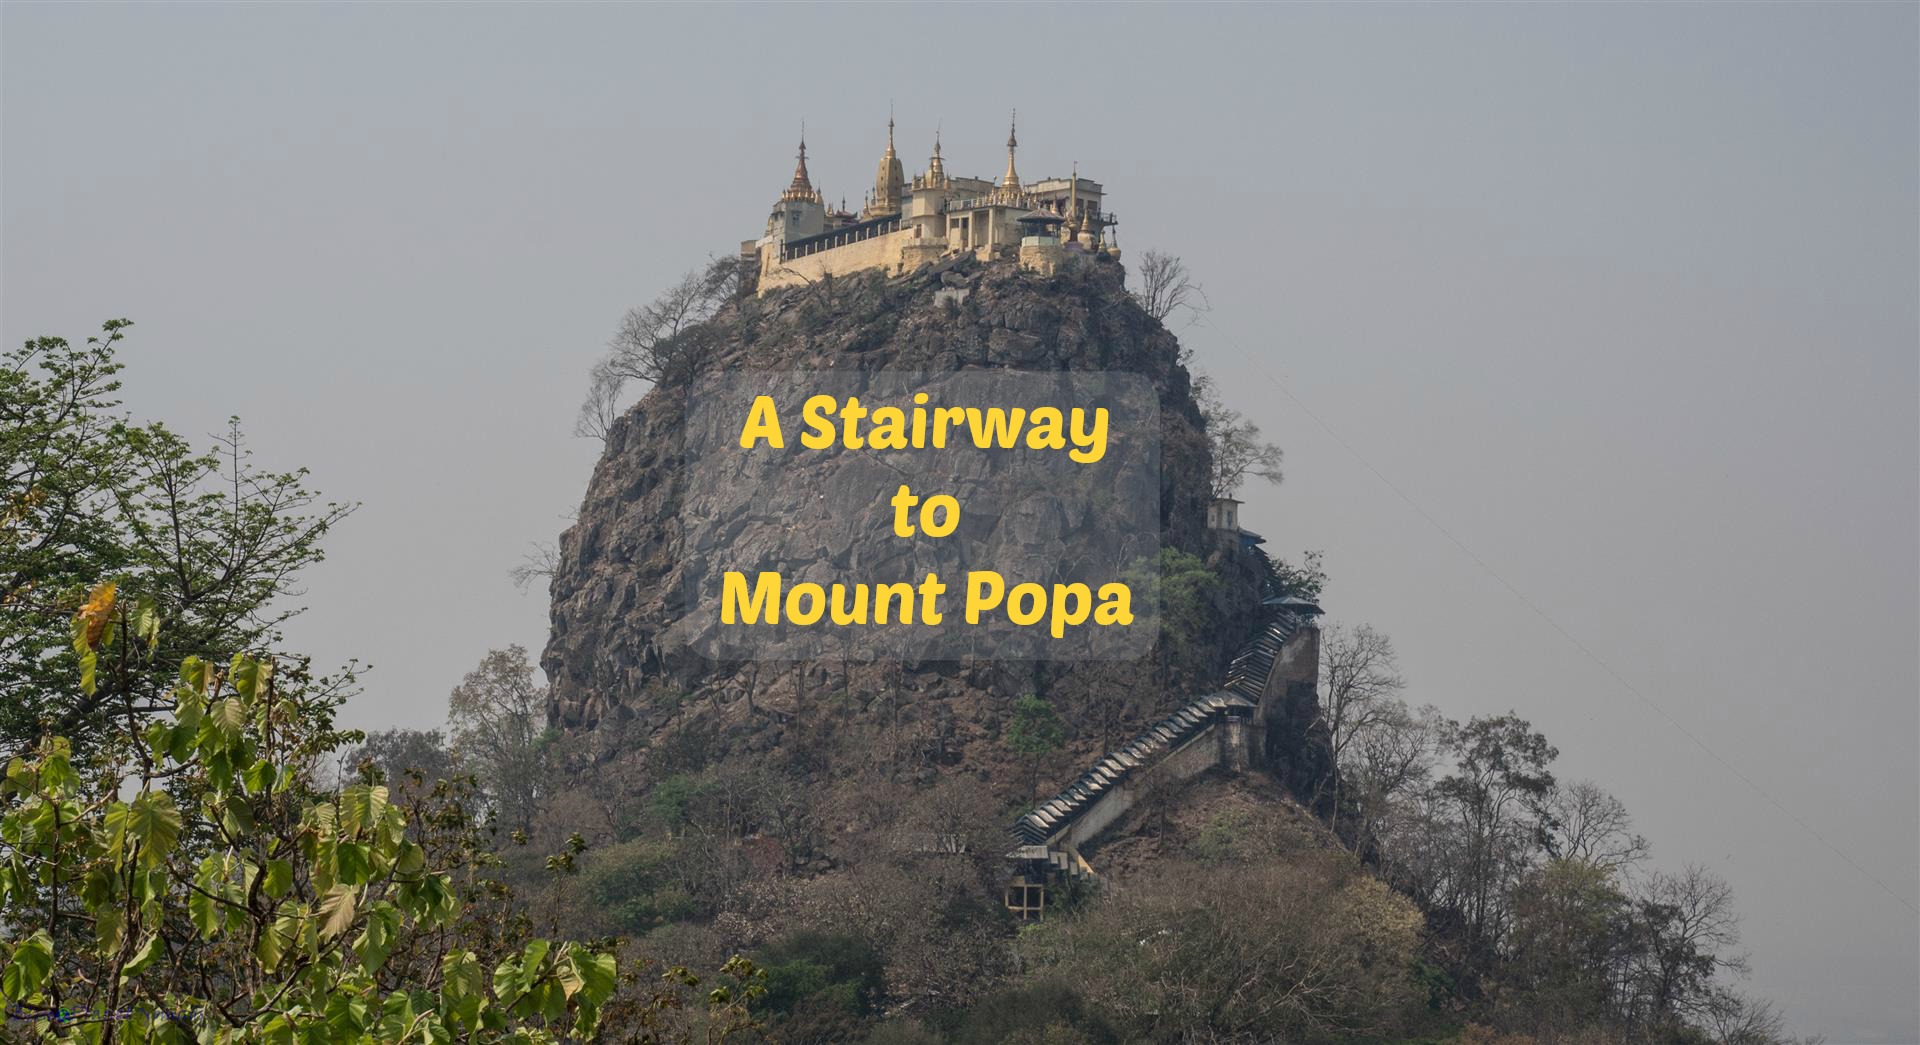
(1623, 298)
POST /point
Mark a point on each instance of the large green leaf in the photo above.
(106, 929)
(275, 940)
(27, 967)
(195, 674)
(279, 878)
(586, 973)
(205, 913)
(336, 911)
(226, 717)
(237, 817)
(383, 927)
(153, 821)
(149, 950)
(259, 777)
(146, 622)
(362, 807)
(353, 864)
(249, 676)
(412, 858)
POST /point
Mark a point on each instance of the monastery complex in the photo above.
(1045, 225)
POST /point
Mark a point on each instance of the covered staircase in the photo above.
(1046, 844)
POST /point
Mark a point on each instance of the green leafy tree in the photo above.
(1283, 579)
(211, 541)
(175, 864)
(822, 986)
(1571, 929)
(1034, 731)
(410, 762)
(498, 716)
(634, 887)
(195, 885)
(1311, 949)
(1183, 591)
(198, 881)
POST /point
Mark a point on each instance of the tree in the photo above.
(602, 406)
(1166, 286)
(1734, 1019)
(1036, 1012)
(1527, 885)
(1459, 845)
(1571, 926)
(1497, 795)
(1593, 827)
(1385, 770)
(189, 871)
(1687, 930)
(1033, 732)
(1310, 949)
(664, 340)
(1182, 591)
(822, 978)
(405, 760)
(1234, 444)
(498, 720)
(1102, 697)
(210, 541)
(199, 880)
(1360, 684)
(537, 564)
(1284, 580)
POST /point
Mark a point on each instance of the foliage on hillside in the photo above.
(194, 877)
(210, 858)
(208, 539)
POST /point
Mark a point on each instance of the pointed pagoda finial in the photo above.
(1011, 179)
(801, 180)
(802, 185)
(936, 176)
(889, 183)
(1074, 220)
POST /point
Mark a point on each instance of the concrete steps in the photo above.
(1246, 681)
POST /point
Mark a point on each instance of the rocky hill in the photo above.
(639, 701)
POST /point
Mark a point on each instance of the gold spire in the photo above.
(802, 186)
(889, 184)
(1073, 205)
(1011, 179)
(936, 170)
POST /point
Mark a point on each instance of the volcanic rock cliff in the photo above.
(618, 579)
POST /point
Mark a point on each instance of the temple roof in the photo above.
(801, 187)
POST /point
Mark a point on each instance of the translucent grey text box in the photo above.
(1031, 513)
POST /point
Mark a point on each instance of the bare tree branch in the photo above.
(1166, 286)
(1235, 444)
(602, 406)
(538, 564)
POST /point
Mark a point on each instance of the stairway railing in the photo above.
(1246, 679)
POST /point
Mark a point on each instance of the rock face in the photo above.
(619, 575)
